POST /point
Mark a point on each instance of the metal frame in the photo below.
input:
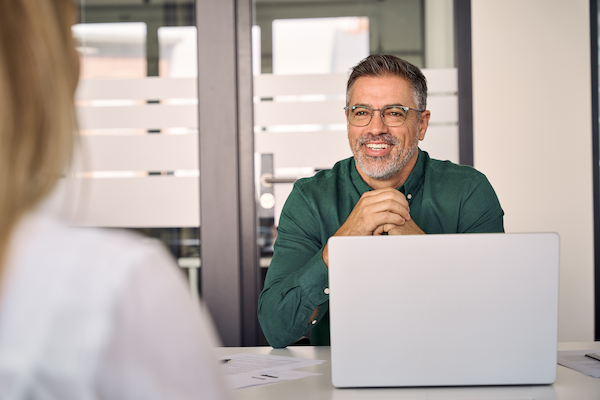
(251, 278)
(229, 271)
(595, 161)
(464, 65)
(423, 33)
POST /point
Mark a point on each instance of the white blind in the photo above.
(301, 121)
(129, 177)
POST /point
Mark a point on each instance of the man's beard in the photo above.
(384, 167)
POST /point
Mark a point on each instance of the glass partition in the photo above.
(137, 107)
(306, 50)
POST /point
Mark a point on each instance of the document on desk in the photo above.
(245, 369)
(577, 360)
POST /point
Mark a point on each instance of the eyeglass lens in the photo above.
(391, 115)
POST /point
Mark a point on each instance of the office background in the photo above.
(531, 116)
(527, 57)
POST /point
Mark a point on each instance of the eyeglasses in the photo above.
(390, 115)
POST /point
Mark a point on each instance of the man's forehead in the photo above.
(379, 78)
(368, 88)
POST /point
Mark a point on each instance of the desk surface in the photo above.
(569, 384)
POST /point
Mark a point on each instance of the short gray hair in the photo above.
(379, 65)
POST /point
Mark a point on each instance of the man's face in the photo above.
(381, 151)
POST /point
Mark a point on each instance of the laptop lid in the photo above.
(443, 310)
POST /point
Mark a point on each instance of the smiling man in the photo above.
(389, 187)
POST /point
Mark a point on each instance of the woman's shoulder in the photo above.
(82, 247)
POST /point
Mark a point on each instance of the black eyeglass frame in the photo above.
(380, 114)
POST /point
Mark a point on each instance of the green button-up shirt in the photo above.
(443, 198)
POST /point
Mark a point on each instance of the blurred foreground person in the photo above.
(84, 313)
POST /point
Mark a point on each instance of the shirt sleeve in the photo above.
(161, 344)
(297, 277)
(480, 210)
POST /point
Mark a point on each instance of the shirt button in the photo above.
(314, 321)
(409, 196)
(326, 290)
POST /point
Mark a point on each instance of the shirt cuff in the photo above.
(315, 281)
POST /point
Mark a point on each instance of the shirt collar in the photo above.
(412, 185)
(414, 182)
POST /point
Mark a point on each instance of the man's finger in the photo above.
(388, 205)
(382, 195)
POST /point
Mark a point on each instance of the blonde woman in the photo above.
(84, 313)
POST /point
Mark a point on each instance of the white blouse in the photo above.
(97, 314)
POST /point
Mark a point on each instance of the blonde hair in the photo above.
(38, 76)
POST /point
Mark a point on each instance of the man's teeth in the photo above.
(377, 146)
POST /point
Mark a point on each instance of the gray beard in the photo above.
(383, 168)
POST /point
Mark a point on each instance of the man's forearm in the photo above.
(292, 299)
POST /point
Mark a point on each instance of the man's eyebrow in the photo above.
(386, 105)
(395, 105)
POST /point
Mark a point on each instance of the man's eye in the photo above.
(361, 113)
(395, 112)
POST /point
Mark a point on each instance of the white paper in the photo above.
(243, 381)
(245, 369)
(577, 360)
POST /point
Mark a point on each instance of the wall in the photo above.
(532, 132)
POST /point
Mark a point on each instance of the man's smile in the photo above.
(377, 149)
(377, 146)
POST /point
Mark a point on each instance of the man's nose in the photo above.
(376, 125)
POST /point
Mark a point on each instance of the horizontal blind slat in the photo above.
(269, 113)
(441, 142)
(441, 80)
(269, 85)
(145, 202)
(265, 85)
(151, 116)
(444, 109)
(304, 149)
(149, 152)
(150, 88)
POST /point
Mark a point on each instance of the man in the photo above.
(389, 187)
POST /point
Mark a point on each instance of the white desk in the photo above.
(570, 385)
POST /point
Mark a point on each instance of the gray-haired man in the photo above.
(389, 187)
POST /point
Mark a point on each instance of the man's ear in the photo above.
(347, 123)
(423, 124)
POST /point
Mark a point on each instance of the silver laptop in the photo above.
(444, 310)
